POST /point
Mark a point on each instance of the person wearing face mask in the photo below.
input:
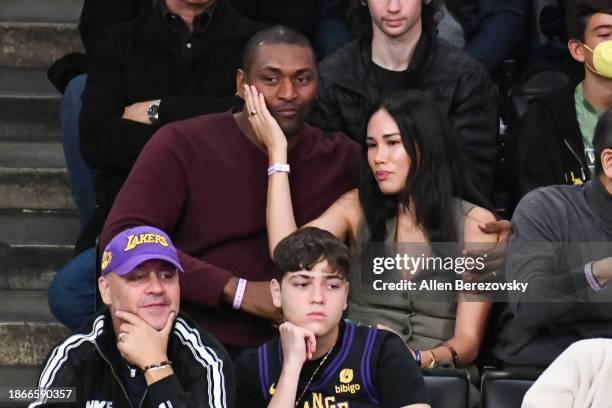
(559, 127)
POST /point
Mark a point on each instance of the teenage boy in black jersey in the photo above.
(320, 359)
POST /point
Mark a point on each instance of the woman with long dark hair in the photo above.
(412, 191)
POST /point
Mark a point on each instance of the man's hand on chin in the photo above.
(139, 343)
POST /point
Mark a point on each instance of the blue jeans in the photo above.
(81, 176)
(72, 294)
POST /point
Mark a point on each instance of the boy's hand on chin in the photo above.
(298, 344)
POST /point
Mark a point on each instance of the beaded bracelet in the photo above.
(155, 366)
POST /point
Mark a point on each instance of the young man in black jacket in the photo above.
(555, 136)
(140, 351)
(398, 49)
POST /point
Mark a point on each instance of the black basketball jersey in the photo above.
(345, 380)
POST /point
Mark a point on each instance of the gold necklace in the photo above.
(313, 375)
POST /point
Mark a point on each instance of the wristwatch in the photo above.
(153, 112)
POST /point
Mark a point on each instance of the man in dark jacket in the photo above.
(140, 351)
(398, 49)
(96, 16)
(176, 61)
(555, 136)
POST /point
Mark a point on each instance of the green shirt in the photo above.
(587, 116)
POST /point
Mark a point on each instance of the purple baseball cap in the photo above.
(134, 246)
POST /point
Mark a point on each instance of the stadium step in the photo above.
(34, 245)
(35, 33)
(28, 330)
(38, 222)
(41, 228)
(17, 377)
(34, 176)
(41, 10)
(31, 267)
(29, 106)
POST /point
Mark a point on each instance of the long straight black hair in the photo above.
(436, 174)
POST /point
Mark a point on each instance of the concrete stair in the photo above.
(38, 221)
(33, 175)
(34, 245)
(30, 106)
(27, 329)
(15, 376)
(31, 267)
(34, 33)
(27, 332)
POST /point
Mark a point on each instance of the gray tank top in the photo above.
(423, 323)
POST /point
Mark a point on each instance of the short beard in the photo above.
(293, 129)
(297, 125)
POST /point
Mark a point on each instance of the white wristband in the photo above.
(278, 168)
(239, 294)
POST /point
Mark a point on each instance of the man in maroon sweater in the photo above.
(204, 181)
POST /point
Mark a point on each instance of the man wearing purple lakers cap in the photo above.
(140, 350)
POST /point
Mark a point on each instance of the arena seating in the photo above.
(447, 388)
(505, 389)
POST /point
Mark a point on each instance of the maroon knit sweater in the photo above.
(202, 181)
